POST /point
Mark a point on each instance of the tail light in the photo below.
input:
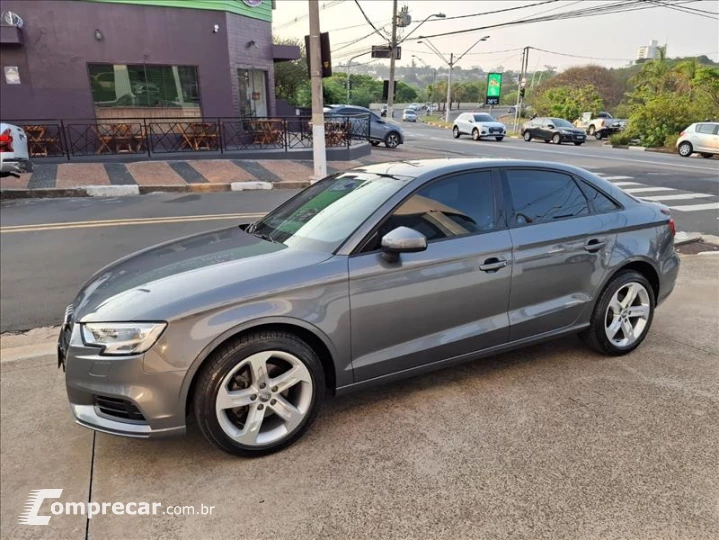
(6, 141)
(671, 224)
(682, 133)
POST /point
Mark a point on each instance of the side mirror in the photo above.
(550, 126)
(380, 121)
(402, 240)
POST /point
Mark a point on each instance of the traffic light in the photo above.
(325, 54)
(521, 92)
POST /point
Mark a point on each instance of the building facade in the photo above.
(648, 52)
(102, 59)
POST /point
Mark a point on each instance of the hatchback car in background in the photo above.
(556, 130)
(380, 131)
(702, 137)
(373, 274)
(14, 155)
(409, 115)
(479, 126)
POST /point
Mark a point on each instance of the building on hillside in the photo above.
(648, 52)
(101, 59)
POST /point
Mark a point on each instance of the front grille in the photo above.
(495, 130)
(118, 408)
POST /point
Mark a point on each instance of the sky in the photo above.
(609, 40)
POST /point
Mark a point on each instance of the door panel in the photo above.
(430, 306)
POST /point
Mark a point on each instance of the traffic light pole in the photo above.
(319, 155)
(520, 86)
(393, 54)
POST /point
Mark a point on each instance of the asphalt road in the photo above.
(690, 187)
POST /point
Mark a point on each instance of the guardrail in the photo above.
(151, 136)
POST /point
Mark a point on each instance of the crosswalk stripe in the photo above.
(617, 177)
(676, 197)
(620, 184)
(645, 189)
(696, 207)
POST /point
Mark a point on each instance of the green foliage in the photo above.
(567, 102)
(661, 117)
(405, 93)
(290, 77)
(671, 141)
(622, 138)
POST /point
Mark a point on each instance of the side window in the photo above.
(542, 196)
(707, 128)
(600, 202)
(456, 206)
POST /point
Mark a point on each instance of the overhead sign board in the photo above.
(385, 51)
(494, 88)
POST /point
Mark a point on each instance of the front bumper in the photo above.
(573, 137)
(91, 378)
(16, 166)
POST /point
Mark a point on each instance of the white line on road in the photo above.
(677, 197)
(645, 189)
(621, 184)
(696, 207)
(617, 177)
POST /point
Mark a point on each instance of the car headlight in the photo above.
(565, 132)
(122, 338)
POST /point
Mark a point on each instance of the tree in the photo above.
(605, 81)
(567, 102)
(653, 78)
(291, 76)
(405, 93)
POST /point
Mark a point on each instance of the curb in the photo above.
(122, 191)
(683, 238)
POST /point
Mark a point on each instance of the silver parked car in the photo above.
(479, 126)
(14, 155)
(370, 275)
(380, 131)
(702, 137)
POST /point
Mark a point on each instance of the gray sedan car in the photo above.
(369, 275)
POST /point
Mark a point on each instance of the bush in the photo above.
(671, 141)
(621, 138)
(665, 115)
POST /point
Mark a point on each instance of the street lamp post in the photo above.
(451, 63)
(434, 77)
(348, 73)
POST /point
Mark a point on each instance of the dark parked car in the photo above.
(556, 130)
(370, 275)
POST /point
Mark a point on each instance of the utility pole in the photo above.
(393, 53)
(520, 85)
(319, 155)
(449, 88)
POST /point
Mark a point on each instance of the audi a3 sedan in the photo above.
(373, 274)
(556, 130)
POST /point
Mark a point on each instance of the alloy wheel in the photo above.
(392, 140)
(527, 136)
(685, 149)
(264, 398)
(627, 314)
(557, 139)
(475, 134)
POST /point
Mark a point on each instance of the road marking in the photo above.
(696, 207)
(620, 184)
(677, 197)
(616, 177)
(645, 189)
(122, 222)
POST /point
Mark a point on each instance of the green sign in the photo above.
(494, 88)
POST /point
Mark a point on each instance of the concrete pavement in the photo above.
(548, 442)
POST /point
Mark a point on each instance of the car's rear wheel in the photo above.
(685, 149)
(527, 136)
(557, 138)
(706, 155)
(475, 134)
(591, 130)
(622, 315)
(391, 140)
(455, 132)
(258, 394)
(374, 143)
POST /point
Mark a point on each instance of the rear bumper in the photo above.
(14, 165)
(668, 277)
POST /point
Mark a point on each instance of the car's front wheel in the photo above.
(685, 149)
(591, 130)
(475, 134)
(527, 136)
(391, 140)
(622, 315)
(455, 132)
(258, 394)
(557, 139)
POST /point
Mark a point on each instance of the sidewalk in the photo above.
(114, 179)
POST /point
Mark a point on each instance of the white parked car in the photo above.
(409, 115)
(14, 155)
(478, 125)
(702, 137)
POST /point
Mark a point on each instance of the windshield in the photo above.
(483, 118)
(559, 122)
(325, 214)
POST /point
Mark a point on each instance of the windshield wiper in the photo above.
(265, 236)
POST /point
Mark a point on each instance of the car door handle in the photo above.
(595, 244)
(493, 264)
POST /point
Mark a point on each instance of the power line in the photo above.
(326, 5)
(369, 21)
(493, 12)
(690, 11)
(580, 56)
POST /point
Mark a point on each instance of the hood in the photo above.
(186, 275)
(491, 124)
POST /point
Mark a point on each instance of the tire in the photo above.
(374, 143)
(455, 132)
(596, 336)
(599, 135)
(499, 139)
(707, 155)
(578, 144)
(591, 130)
(527, 136)
(686, 149)
(557, 138)
(391, 140)
(475, 134)
(229, 365)
(546, 141)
